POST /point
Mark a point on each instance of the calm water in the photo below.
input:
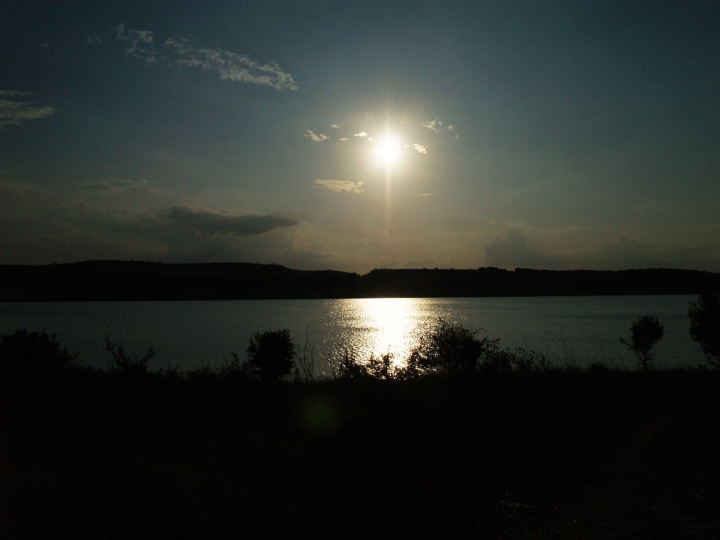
(193, 334)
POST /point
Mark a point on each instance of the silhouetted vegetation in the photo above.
(705, 326)
(646, 332)
(449, 348)
(136, 280)
(32, 354)
(494, 443)
(124, 363)
(271, 354)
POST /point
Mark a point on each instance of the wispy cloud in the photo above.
(361, 134)
(434, 125)
(423, 195)
(335, 126)
(13, 112)
(340, 186)
(14, 93)
(94, 40)
(180, 52)
(316, 137)
(113, 184)
(437, 126)
(211, 222)
(344, 139)
(138, 43)
(417, 147)
(231, 66)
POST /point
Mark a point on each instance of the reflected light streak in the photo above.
(389, 325)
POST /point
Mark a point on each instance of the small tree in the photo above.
(705, 326)
(449, 348)
(271, 354)
(124, 363)
(32, 355)
(646, 332)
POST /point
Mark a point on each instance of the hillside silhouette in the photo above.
(137, 280)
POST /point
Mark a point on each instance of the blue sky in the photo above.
(527, 134)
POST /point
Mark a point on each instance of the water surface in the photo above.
(191, 334)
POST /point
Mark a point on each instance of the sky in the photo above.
(353, 135)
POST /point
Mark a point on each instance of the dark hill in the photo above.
(135, 280)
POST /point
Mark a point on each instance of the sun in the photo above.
(388, 149)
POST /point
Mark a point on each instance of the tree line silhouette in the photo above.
(136, 280)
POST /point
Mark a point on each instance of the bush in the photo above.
(646, 332)
(33, 354)
(705, 326)
(449, 348)
(518, 360)
(271, 354)
(377, 367)
(126, 364)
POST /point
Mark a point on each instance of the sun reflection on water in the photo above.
(382, 325)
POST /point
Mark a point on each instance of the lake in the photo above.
(192, 334)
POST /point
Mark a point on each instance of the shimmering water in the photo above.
(192, 334)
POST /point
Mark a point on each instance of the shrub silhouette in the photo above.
(126, 364)
(518, 360)
(377, 367)
(646, 332)
(450, 348)
(705, 326)
(33, 354)
(271, 354)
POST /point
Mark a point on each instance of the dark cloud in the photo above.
(514, 251)
(113, 184)
(211, 222)
(621, 254)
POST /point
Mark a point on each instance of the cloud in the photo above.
(514, 252)
(451, 128)
(231, 66)
(14, 112)
(14, 93)
(94, 40)
(340, 186)
(112, 184)
(210, 222)
(139, 43)
(317, 138)
(414, 263)
(361, 134)
(423, 195)
(433, 125)
(621, 254)
(335, 126)
(344, 139)
(419, 147)
(179, 52)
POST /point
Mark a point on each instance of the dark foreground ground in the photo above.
(598, 454)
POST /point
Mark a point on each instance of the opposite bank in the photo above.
(137, 280)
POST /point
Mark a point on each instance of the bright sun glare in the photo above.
(388, 149)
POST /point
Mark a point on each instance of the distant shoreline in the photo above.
(136, 280)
